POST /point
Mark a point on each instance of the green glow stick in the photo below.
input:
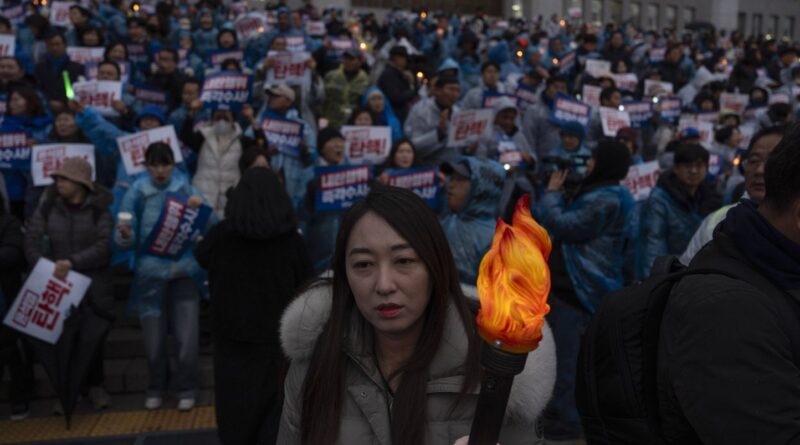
(68, 85)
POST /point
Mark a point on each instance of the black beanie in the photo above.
(611, 163)
(325, 135)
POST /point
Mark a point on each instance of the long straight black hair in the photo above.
(324, 384)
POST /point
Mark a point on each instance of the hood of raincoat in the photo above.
(486, 186)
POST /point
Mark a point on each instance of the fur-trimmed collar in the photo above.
(305, 317)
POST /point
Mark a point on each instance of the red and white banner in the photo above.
(641, 179)
(8, 45)
(85, 54)
(289, 68)
(45, 302)
(613, 120)
(250, 25)
(655, 88)
(59, 14)
(598, 68)
(366, 144)
(46, 159)
(591, 95)
(779, 98)
(469, 125)
(99, 94)
(706, 130)
(133, 146)
(295, 44)
(316, 28)
(733, 102)
(627, 82)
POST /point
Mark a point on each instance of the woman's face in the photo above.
(160, 173)
(116, 53)
(65, 125)
(17, 105)
(375, 102)
(404, 156)
(363, 119)
(390, 283)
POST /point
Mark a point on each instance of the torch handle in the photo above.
(491, 409)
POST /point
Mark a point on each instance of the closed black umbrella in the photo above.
(67, 362)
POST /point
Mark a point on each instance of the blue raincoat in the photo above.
(145, 200)
(387, 117)
(594, 232)
(664, 229)
(470, 231)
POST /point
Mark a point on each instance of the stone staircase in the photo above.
(125, 364)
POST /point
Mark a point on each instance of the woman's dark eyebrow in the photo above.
(364, 250)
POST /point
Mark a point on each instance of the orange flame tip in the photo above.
(514, 282)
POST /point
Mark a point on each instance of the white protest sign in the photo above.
(8, 44)
(366, 144)
(289, 68)
(59, 14)
(591, 95)
(85, 54)
(315, 28)
(598, 68)
(657, 88)
(641, 179)
(706, 130)
(779, 98)
(99, 94)
(613, 120)
(657, 54)
(733, 102)
(295, 44)
(575, 12)
(46, 159)
(45, 302)
(626, 81)
(132, 147)
(469, 125)
(710, 116)
(250, 25)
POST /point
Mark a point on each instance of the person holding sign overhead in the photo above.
(152, 220)
(72, 226)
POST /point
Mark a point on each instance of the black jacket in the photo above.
(251, 281)
(729, 355)
(12, 258)
(397, 89)
(51, 82)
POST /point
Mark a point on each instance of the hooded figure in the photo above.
(256, 262)
(474, 190)
(385, 117)
(577, 154)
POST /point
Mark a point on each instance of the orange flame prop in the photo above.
(514, 282)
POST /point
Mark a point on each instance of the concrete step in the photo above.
(122, 376)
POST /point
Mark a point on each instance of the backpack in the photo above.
(616, 387)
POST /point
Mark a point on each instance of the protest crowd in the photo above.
(221, 152)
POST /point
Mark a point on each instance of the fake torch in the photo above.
(513, 285)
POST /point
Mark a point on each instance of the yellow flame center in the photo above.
(514, 283)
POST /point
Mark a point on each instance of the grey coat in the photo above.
(365, 411)
(82, 236)
(540, 132)
(421, 127)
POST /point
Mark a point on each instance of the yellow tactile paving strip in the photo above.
(106, 424)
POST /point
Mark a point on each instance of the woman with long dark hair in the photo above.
(256, 262)
(386, 351)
